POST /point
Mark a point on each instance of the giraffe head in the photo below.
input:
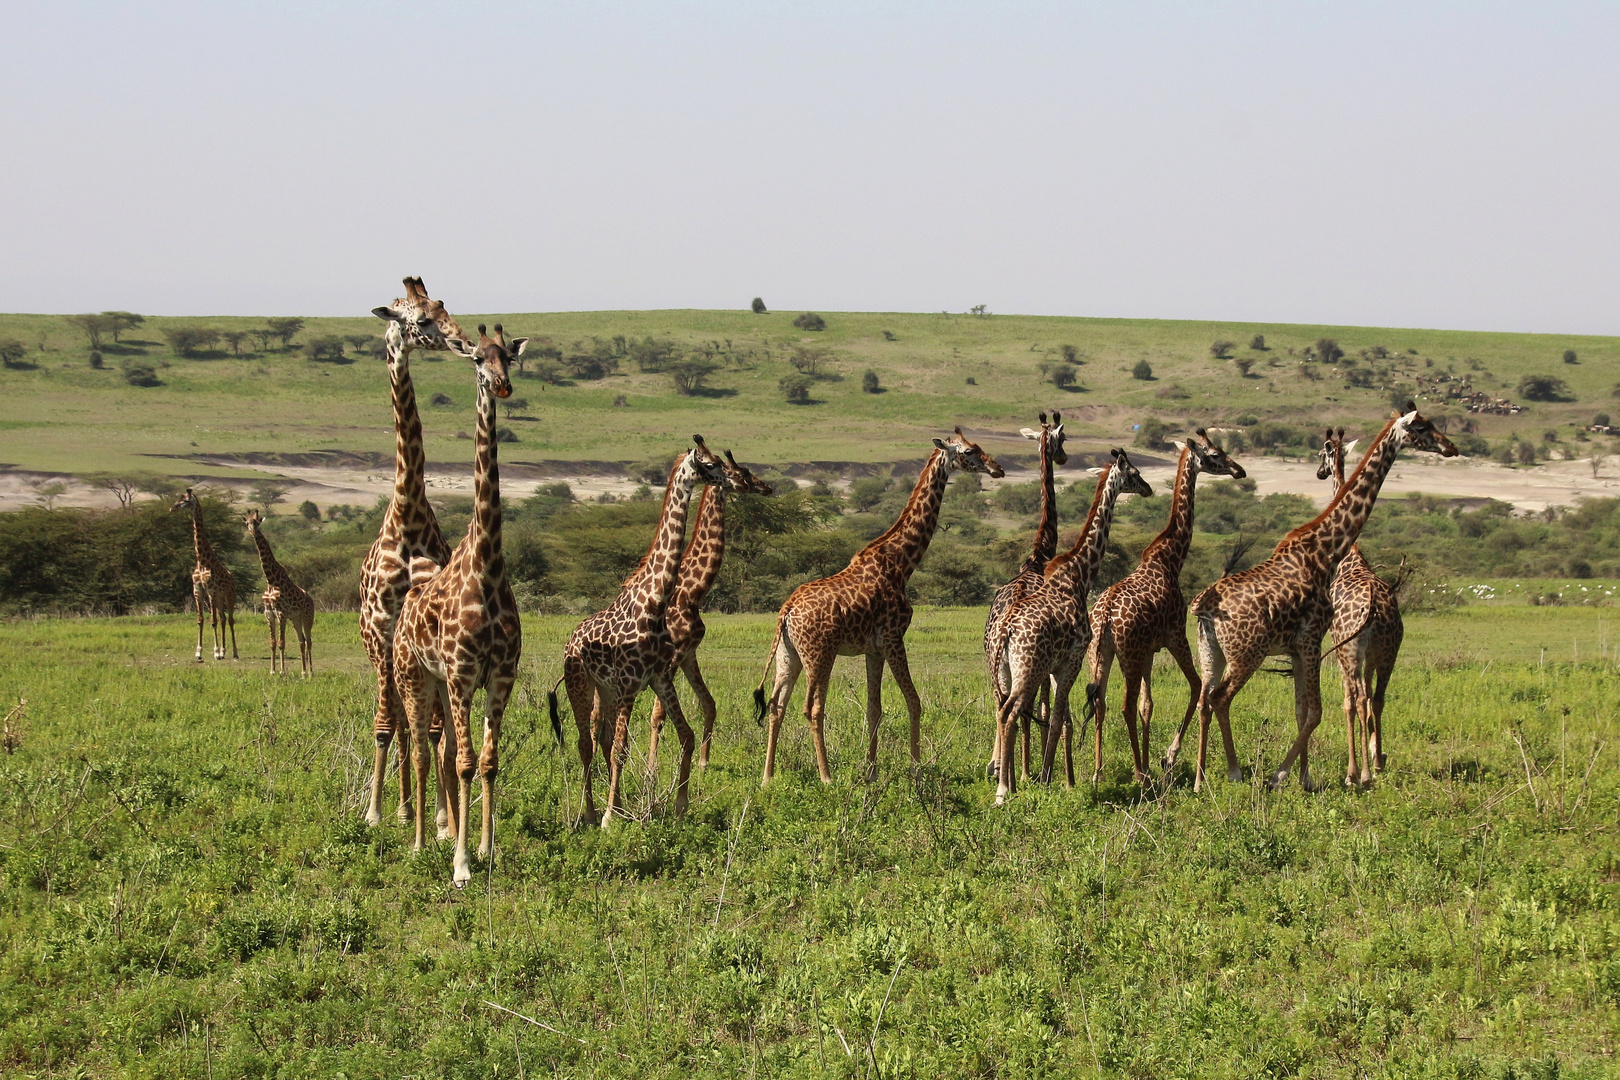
(491, 357)
(188, 501)
(1210, 458)
(1051, 438)
(420, 322)
(707, 468)
(1328, 455)
(1419, 433)
(967, 456)
(252, 519)
(740, 480)
(1130, 481)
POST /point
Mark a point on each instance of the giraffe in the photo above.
(700, 566)
(1366, 613)
(862, 610)
(284, 602)
(409, 547)
(1280, 607)
(616, 653)
(1031, 573)
(1046, 634)
(1136, 617)
(211, 583)
(459, 631)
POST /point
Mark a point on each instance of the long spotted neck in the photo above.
(1169, 548)
(410, 461)
(700, 562)
(1047, 534)
(1331, 534)
(1354, 555)
(484, 530)
(903, 546)
(199, 538)
(654, 579)
(1076, 568)
(274, 573)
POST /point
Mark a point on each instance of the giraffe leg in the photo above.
(900, 667)
(1183, 656)
(655, 732)
(581, 699)
(281, 643)
(705, 700)
(1377, 749)
(817, 680)
(416, 690)
(197, 601)
(1000, 685)
(1145, 715)
(1064, 677)
(616, 757)
(1131, 706)
(230, 617)
(448, 786)
(1350, 723)
(788, 666)
(306, 646)
(664, 687)
(1019, 693)
(489, 757)
(1098, 668)
(1307, 714)
(270, 617)
(465, 767)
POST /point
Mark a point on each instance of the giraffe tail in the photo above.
(759, 691)
(1094, 692)
(556, 717)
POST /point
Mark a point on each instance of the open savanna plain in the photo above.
(214, 414)
(187, 888)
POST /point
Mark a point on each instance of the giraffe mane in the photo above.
(1085, 530)
(1344, 489)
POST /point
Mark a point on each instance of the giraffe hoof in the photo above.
(1235, 776)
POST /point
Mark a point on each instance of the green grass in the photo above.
(282, 403)
(186, 889)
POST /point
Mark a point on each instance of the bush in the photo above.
(1243, 364)
(12, 352)
(1154, 434)
(141, 375)
(1472, 445)
(326, 349)
(869, 383)
(1173, 392)
(1071, 355)
(1328, 351)
(1525, 452)
(309, 510)
(1570, 357)
(889, 335)
(1247, 420)
(865, 492)
(1142, 370)
(1258, 343)
(1272, 435)
(1063, 376)
(440, 400)
(1222, 349)
(1544, 388)
(505, 434)
(796, 388)
(810, 321)
(758, 306)
(689, 374)
(95, 360)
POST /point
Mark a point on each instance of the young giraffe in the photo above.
(211, 583)
(616, 653)
(1136, 617)
(700, 566)
(409, 547)
(1365, 612)
(284, 602)
(1030, 575)
(459, 631)
(1281, 607)
(862, 610)
(1046, 634)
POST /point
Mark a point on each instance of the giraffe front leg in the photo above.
(464, 769)
(1306, 687)
(616, 757)
(580, 700)
(706, 704)
(664, 688)
(416, 690)
(446, 750)
(788, 667)
(1182, 653)
(495, 698)
(1351, 727)
(230, 617)
(874, 711)
(383, 725)
(900, 666)
(270, 617)
(198, 601)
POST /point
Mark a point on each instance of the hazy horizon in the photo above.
(1353, 165)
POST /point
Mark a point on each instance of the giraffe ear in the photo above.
(517, 345)
(1350, 446)
(1029, 433)
(1180, 446)
(1095, 472)
(388, 314)
(938, 445)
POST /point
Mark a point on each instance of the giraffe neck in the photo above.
(700, 562)
(484, 530)
(1338, 482)
(274, 573)
(650, 586)
(199, 537)
(1169, 548)
(899, 550)
(410, 461)
(1046, 534)
(1076, 568)
(1329, 536)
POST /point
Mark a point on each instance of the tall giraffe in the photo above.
(1032, 573)
(409, 547)
(459, 631)
(1136, 617)
(616, 653)
(700, 566)
(1280, 607)
(284, 602)
(211, 583)
(1367, 614)
(862, 610)
(1046, 634)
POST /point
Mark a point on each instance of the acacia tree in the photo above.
(234, 339)
(119, 321)
(12, 352)
(284, 330)
(689, 374)
(91, 326)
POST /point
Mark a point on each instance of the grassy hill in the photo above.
(59, 414)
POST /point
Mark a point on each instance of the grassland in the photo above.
(186, 890)
(62, 416)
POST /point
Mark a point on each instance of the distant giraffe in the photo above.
(459, 632)
(212, 586)
(1136, 617)
(862, 610)
(700, 566)
(1046, 633)
(284, 602)
(1367, 614)
(619, 651)
(409, 547)
(1030, 576)
(1281, 606)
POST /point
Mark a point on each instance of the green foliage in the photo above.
(869, 382)
(1544, 388)
(1221, 349)
(1570, 357)
(284, 329)
(757, 307)
(688, 374)
(1154, 434)
(1142, 370)
(1258, 343)
(796, 388)
(810, 321)
(13, 351)
(140, 374)
(325, 348)
(1063, 376)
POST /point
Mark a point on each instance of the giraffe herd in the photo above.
(440, 624)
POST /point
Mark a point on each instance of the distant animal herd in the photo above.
(440, 623)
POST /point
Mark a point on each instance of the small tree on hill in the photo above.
(328, 348)
(122, 488)
(1142, 370)
(869, 383)
(758, 306)
(12, 352)
(1243, 364)
(689, 374)
(810, 321)
(1222, 349)
(795, 389)
(1570, 357)
(515, 405)
(91, 326)
(1258, 343)
(119, 321)
(1063, 376)
(1071, 355)
(234, 339)
(309, 511)
(266, 493)
(1154, 433)
(1544, 388)
(1328, 351)
(284, 330)
(808, 359)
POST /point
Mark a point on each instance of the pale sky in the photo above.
(1395, 164)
